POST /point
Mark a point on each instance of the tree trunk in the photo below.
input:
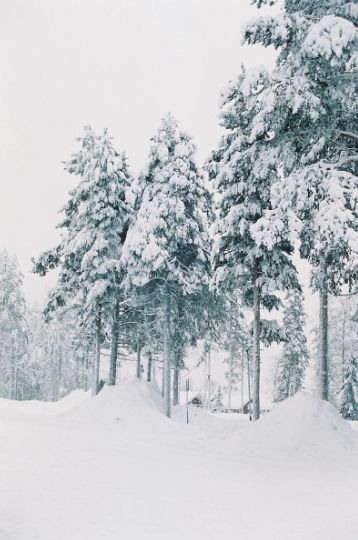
(59, 372)
(323, 331)
(209, 379)
(149, 366)
(249, 384)
(256, 353)
(97, 356)
(138, 369)
(229, 388)
(166, 354)
(114, 346)
(242, 377)
(176, 377)
(205, 401)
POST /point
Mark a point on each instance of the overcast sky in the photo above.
(121, 64)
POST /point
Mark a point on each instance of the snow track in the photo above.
(114, 467)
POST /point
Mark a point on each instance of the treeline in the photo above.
(174, 256)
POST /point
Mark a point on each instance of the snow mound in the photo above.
(10, 407)
(303, 425)
(133, 408)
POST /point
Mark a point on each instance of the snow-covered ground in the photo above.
(114, 467)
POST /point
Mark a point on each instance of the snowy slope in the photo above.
(113, 467)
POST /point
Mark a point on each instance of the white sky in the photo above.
(121, 64)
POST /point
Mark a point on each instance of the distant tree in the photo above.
(294, 359)
(235, 336)
(13, 326)
(349, 393)
(58, 357)
(343, 342)
(167, 243)
(218, 401)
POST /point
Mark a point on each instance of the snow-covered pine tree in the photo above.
(311, 111)
(13, 326)
(243, 170)
(167, 244)
(218, 401)
(57, 359)
(234, 338)
(343, 341)
(95, 224)
(349, 393)
(294, 359)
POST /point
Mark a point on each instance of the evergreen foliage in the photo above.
(294, 359)
(243, 172)
(167, 244)
(95, 224)
(13, 325)
(310, 113)
(218, 401)
(349, 393)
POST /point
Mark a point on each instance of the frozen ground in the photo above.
(114, 468)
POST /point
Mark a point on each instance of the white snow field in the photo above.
(114, 468)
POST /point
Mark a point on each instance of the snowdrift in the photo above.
(34, 407)
(303, 425)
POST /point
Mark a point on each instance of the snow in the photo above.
(115, 467)
(301, 427)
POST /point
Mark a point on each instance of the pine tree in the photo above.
(343, 342)
(234, 338)
(349, 393)
(312, 113)
(244, 170)
(95, 224)
(167, 244)
(13, 326)
(294, 359)
(57, 358)
(218, 401)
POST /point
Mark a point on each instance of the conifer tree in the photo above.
(244, 170)
(343, 341)
(95, 224)
(234, 338)
(294, 359)
(167, 244)
(13, 325)
(218, 401)
(349, 393)
(311, 111)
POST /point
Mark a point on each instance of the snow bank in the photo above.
(9, 407)
(302, 425)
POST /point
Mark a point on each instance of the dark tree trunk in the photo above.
(114, 346)
(177, 363)
(138, 369)
(149, 366)
(323, 331)
(256, 352)
(166, 354)
(97, 357)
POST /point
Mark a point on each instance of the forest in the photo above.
(150, 265)
(179, 284)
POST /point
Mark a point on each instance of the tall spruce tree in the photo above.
(167, 244)
(243, 170)
(294, 359)
(95, 224)
(311, 111)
